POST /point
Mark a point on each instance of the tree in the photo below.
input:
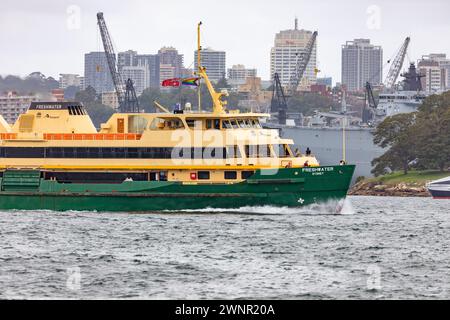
(433, 132)
(397, 134)
(86, 96)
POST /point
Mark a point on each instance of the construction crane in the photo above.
(126, 94)
(279, 99)
(397, 64)
(370, 104)
(303, 59)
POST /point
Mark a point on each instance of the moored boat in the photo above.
(440, 189)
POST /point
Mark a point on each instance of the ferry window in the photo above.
(157, 123)
(136, 124)
(281, 150)
(190, 123)
(257, 124)
(214, 153)
(203, 175)
(163, 176)
(246, 174)
(216, 124)
(263, 151)
(241, 123)
(251, 151)
(234, 124)
(208, 124)
(152, 176)
(248, 124)
(230, 175)
(226, 124)
(233, 152)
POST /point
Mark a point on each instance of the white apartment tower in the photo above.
(214, 61)
(139, 75)
(284, 55)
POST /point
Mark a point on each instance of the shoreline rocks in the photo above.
(370, 188)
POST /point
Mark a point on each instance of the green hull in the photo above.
(290, 187)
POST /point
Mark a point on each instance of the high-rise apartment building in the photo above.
(131, 58)
(362, 62)
(139, 75)
(96, 72)
(238, 74)
(12, 105)
(170, 56)
(214, 61)
(284, 55)
(435, 69)
(68, 80)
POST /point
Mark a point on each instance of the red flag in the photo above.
(171, 82)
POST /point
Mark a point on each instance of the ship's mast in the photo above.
(199, 48)
(218, 104)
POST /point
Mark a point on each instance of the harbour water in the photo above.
(376, 248)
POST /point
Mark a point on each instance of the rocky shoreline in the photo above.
(370, 188)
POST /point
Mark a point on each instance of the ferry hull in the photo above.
(290, 187)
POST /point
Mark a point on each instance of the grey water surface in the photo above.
(376, 248)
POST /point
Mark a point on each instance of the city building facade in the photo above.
(110, 99)
(284, 54)
(435, 69)
(12, 105)
(170, 56)
(327, 81)
(362, 62)
(214, 61)
(139, 75)
(96, 72)
(238, 73)
(151, 62)
(69, 79)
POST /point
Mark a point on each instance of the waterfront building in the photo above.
(238, 74)
(110, 99)
(69, 79)
(435, 69)
(326, 81)
(96, 72)
(288, 45)
(12, 105)
(58, 95)
(362, 62)
(170, 56)
(139, 75)
(214, 61)
(151, 62)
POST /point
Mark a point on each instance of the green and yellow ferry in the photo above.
(53, 158)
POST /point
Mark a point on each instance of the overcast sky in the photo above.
(50, 36)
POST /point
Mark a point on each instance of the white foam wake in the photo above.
(332, 207)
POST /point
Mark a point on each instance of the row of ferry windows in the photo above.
(119, 177)
(217, 124)
(251, 151)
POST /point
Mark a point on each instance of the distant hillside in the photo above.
(35, 83)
